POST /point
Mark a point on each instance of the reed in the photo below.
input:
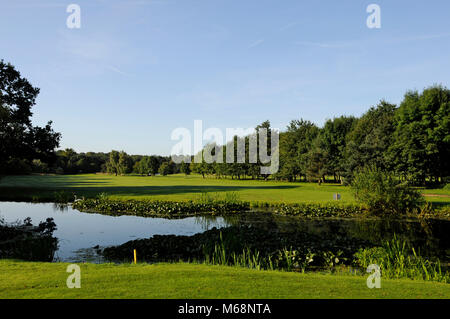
(398, 259)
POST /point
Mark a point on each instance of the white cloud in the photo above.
(255, 43)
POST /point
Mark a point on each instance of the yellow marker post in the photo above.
(134, 251)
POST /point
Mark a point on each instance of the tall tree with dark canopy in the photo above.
(295, 145)
(421, 145)
(333, 142)
(20, 141)
(370, 138)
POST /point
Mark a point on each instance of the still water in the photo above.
(79, 234)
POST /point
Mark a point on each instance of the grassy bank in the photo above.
(48, 280)
(179, 188)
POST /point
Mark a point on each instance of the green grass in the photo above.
(175, 187)
(164, 281)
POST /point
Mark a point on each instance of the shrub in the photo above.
(380, 192)
(16, 166)
(22, 240)
(38, 166)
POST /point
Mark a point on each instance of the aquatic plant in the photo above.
(210, 204)
(398, 259)
(260, 248)
(242, 245)
(149, 208)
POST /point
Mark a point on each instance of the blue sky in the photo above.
(138, 69)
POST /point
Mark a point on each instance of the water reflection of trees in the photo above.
(60, 207)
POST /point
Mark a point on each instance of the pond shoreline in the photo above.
(259, 237)
(181, 209)
(192, 208)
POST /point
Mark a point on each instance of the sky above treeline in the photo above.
(136, 70)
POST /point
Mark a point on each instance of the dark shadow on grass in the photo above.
(171, 190)
(133, 190)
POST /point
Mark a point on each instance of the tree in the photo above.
(185, 168)
(20, 141)
(199, 166)
(113, 163)
(317, 163)
(267, 142)
(142, 166)
(39, 167)
(70, 162)
(164, 169)
(154, 165)
(368, 142)
(295, 145)
(421, 141)
(333, 142)
(125, 163)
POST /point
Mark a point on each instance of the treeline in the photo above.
(65, 162)
(207, 162)
(120, 163)
(411, 140)
(68, 161)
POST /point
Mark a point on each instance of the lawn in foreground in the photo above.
(177, 187)
(165, 281)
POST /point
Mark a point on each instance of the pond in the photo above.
(80, 234)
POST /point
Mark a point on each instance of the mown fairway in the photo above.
(179, 187)
(48, 280)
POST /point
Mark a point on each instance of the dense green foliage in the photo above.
(208, 204)
(368, 141)
(273, 249)
(315, 209)
(421, 140)
(294, 148)
(213, 159)
(147, 165)
(24, 241)
(412, 141)
(382, 193)
(70, 162)
(155, 208)
(117, 163)
(185, 168)
(398, 259)
(22, 145)
(377, 203)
